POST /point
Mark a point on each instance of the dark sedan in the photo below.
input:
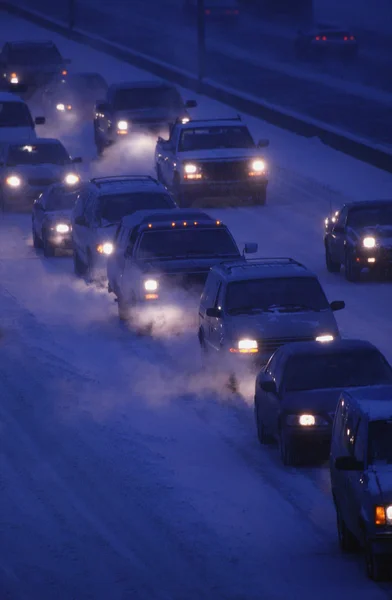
(297, 392)
(75, 97)
(326, 41)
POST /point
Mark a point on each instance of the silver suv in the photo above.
(252, 308)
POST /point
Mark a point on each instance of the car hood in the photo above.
(159, 114)
(44, 171)
(182, 265)
(59, 215)
(14, 134)
(382, 233)
(220, 154)
(284, 325)
(314, 401)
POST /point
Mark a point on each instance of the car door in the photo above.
(273, 400)
(357, 481)
(348, 435)
(94, 230)
(80, 223)
(112, 260)
(38, 215)
(169, 163)
(207, 301)
(338, 236)
(217, 333)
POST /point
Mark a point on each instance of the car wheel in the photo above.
(260, 198)
(286, 450)
(49, 249)
(375, 563)
(123, 309)
(347, 541)
(352, 271)
(80, 268)
(332, 266)
(262, 434)
(37, 242)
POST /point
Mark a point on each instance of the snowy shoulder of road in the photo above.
(126, 470)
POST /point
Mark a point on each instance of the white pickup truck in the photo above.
(212, 159)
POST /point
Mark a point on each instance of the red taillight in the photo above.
(324, 38)
(317, 38)
(207, 11)
(345, 38)
(352, 38)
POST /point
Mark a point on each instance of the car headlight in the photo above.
(192, 171)
(14, 78)
(383, 515)
(105, 248)
(122, 126)
(151, 285)
(185, 120)
(60, 107)
(246, 346)
(325, 337)
(62, 228)
(13, 181)
(305, 420)
(369, 242)
(71, 179)
(258, 166)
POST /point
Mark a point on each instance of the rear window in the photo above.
(184, 243)
(34, 55)
(113, 207)
(338, 370)
(15, 114)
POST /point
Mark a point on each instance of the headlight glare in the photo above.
(325, 337)
(258, 166)
(369, 242)
(105, 248)
(185, 120)
(14, 78)
(150, 285)
(190, 169)
(71, 179)
(13, 181)
(306, 420)
(122, 125)
(62, 228)
(246, 346)
(60, 107)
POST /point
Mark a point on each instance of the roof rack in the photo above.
(228, 265)
(237, 118)
(117, 178)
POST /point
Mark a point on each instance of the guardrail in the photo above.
(304, 126)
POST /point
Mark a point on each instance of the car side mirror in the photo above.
(263, 143)
(251, 248)
(348, 463)
(40, 120)
(77, 160)
(338, 229)
(81, 220)
(268, 385)
(337, 305)
(214, 312)
(190, 104)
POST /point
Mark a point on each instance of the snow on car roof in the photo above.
(306, 348)
(263, 268)
(375, 401)
(202, 124)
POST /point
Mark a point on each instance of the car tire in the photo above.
(352, 272)
(37, 242)
(49, 249)
(123, 309)
(286, 450)
(260, 198)
(80, 268)
(375, 563)
(262, 434)
(332, 266)
(347, 540)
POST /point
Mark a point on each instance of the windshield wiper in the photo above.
(248, 310)
(292, 307)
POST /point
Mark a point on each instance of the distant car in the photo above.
(360, 466)
(28, 167)
(249, 309)
(228, 10)
(137, 107)
(102, 203)
(51, 218)
(75, 96)
(326, 40)
(297, 392)
(359, 236)
(32, 63)
(16, 121)
(216, 158)
(161, 252)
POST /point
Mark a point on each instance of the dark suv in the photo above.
(101, 204)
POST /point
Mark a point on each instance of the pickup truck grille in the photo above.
(186, 281)
(230, 170)
(42, 182)
(269, 345)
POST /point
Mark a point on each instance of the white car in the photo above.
(16, 122)
(212, 159)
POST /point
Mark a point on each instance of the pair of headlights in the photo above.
(14, 181)
(249, 346)
(257, 167)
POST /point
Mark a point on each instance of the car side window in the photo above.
(210, 291)
(220, 296)
(361, 442)
(350, 432)
(89, 209)
(175, 132)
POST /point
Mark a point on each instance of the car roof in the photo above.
(369, 203)
(30, 142)
(127, 183)
(205, 123)
(317, 348)
(129, 85)
(262, 268)
(374, 401)
(9, 97)
(28, 43)
(166, 215)
(332, 27)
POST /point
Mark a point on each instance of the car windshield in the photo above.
(208, 138)
(116, 206)
(380, 442)
(35, 55)
(145, 98)
(285, 295)
(15, 114)
(54, 154)
(61, 200)
(337, 370)
(370, 217)
(187, 243)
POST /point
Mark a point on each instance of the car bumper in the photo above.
(381, 257)
(61, 240)
(299, 436)
(224, 188)
(381, 543)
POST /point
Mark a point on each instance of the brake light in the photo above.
(207, 11)
(324, 38)
(352, 38)
(317, 38)
(345, 38)
(64, 72)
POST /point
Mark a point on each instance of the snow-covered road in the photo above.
(128, 473)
